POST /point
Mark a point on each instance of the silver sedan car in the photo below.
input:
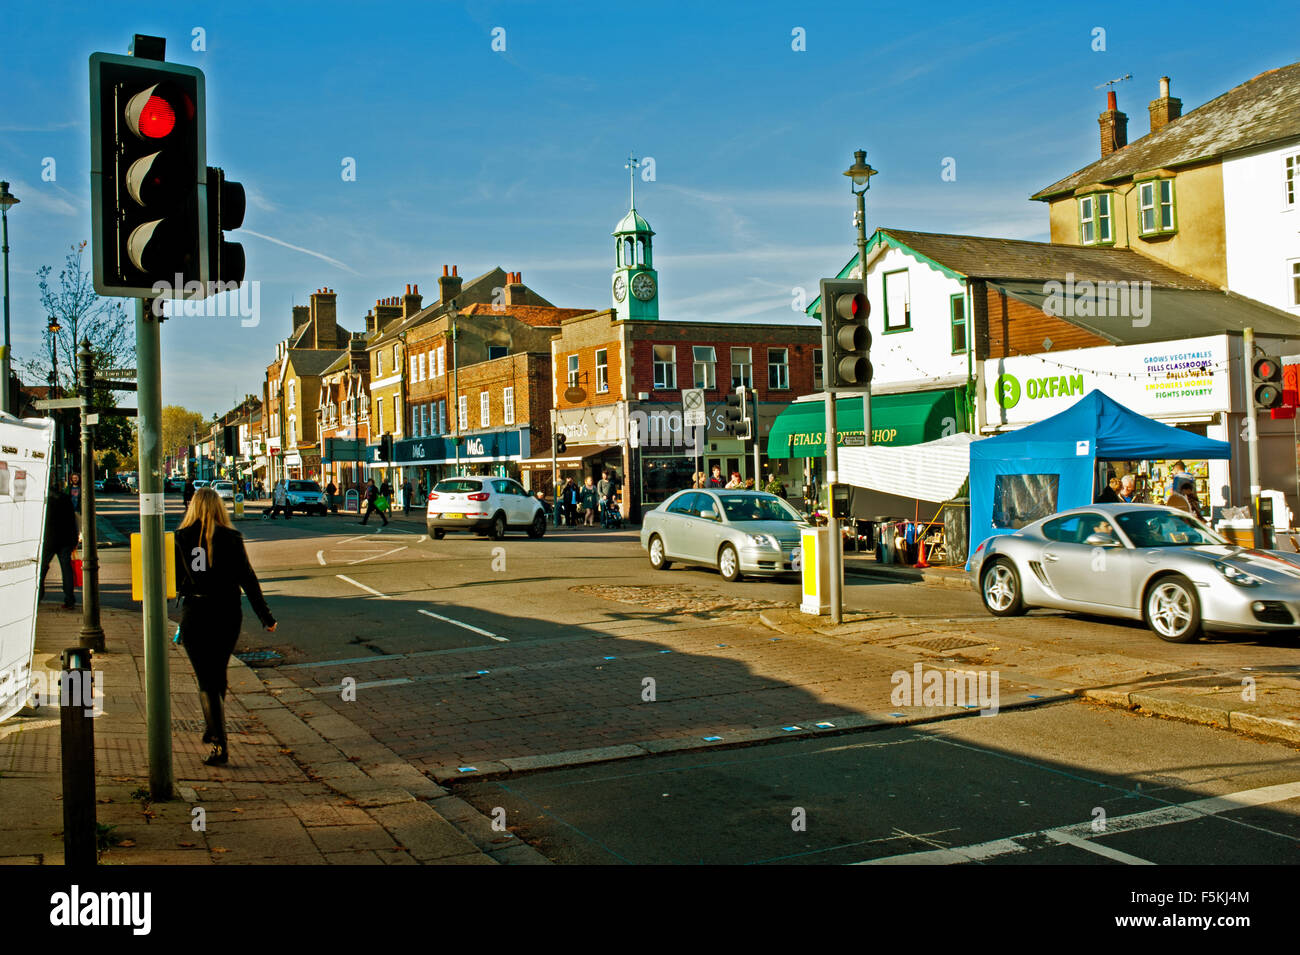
(738, 532)
(1140, 561)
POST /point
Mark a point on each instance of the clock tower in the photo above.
(636, 284)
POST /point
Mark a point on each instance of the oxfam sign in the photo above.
(1008, 389)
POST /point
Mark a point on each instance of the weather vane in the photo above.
(631, 166)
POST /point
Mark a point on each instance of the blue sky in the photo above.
(480, 158)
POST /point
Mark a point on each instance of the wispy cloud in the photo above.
(297, 248)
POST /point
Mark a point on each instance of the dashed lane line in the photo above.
(357, 583)
(467, 626)
(386, 553)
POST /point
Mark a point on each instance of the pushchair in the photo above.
(610, 516)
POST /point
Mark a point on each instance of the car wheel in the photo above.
(1172, 610)
(498, 531)
(437, 533)
(658, 556)
(1000, 589)
(729, 564)
(538, 527)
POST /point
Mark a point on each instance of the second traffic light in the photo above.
(226, 205)
(846, 339)
(1266, 383)
(737, 413)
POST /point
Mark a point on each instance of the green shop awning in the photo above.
(800, 430)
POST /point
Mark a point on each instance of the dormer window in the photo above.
(1156, 207)
(1095, 220)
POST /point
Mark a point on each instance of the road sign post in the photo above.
(92, 633)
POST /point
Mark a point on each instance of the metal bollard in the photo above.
(77, 736)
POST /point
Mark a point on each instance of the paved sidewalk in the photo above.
(1261, 701)
(863, 564)
(309, 790)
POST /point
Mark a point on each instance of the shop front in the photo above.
(428, 460)
(1185, 384)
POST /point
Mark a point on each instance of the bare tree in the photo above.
(83, 314)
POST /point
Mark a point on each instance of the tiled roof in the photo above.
(430, 312)
(538, 316)
(1262, 110)
(982, 257)
(310, 362)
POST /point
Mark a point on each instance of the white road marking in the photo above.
(320, 556)
(355, 583)
(377, 556)
(32, 726)
(1083, 832)
(430, 613)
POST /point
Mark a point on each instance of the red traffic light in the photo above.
(1267, 369)
(157, 119)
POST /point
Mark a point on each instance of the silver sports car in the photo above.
(739, 532)
(1140, 561)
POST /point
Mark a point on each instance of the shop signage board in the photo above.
(1161, 380)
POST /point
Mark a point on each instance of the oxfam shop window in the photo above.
(1020, 499)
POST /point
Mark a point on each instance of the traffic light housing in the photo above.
(1266, 383)
(561, 442)
(846, 339)
(148, 172)
(230, 441)
(737, 413)
(386, 447)
(226, 204)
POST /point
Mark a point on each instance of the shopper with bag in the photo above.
(372, 496)
(211, 569)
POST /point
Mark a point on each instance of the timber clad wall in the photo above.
(1010, 327)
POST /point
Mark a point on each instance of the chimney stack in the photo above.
(448, 285)
(387, 311)
(324, 320)
(301, 315)
(411, 301)
(1114, 126)
(1166, 109)
(516, 291)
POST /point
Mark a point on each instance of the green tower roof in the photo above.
(633, 223)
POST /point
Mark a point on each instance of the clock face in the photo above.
(643, 286)
(620, 288)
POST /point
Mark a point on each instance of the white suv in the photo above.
(490, 505)
(304, 496)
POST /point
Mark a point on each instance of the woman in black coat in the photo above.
(211, 569)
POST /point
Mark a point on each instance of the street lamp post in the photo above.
(7, 199)
(60, 465)
(860, 174)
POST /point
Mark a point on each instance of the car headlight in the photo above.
(1238, 576)
(764, 540)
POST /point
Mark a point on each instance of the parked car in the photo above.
(738, 532)
(1139, 561)
(173, 485)
(485, 505)
(99, 484)
(112, 485)
(200, 483)
(305, 496)
(225, 490)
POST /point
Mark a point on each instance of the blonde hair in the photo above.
(207, 510)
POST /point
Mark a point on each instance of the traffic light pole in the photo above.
(862, 267)
(92, 633)
(157, 679)
(1252, 431)
(833, 524)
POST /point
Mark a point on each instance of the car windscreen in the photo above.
(458, 486)
(751, 507)
(303, 486)
(1165, 529)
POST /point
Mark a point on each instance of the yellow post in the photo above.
(137, 566)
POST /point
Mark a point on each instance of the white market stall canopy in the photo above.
(933, 471)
